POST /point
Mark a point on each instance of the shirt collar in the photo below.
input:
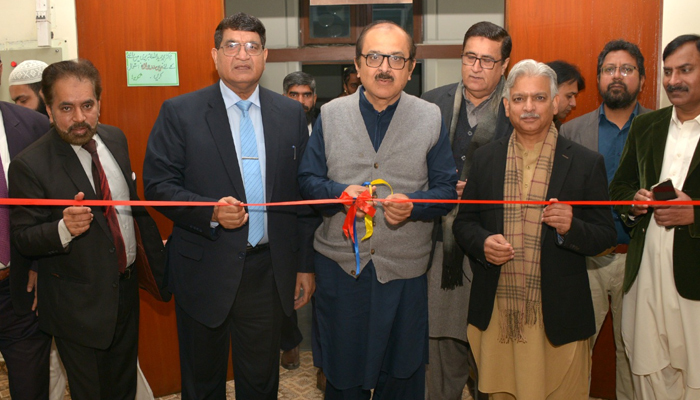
(488, 99)
(366, 105)
(602, 115)
(98, 140)
(677, 122)
(231, 98)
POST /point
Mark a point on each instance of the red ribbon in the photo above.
(363, 202)
(342, 200)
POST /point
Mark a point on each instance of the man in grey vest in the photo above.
(372, 312)
(473, 112)
(620, 79)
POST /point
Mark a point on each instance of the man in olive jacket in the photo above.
(661, 307)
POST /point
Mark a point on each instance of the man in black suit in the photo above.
(88, 256)
(235, 271)
(24, 347)
(530, 310)
(474, 114)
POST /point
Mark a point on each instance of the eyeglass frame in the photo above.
(614, 68)
(386, 57)
(481, 61)
(239, 46)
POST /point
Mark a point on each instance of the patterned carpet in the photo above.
(299, 384)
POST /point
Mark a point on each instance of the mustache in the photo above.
(80, 125)
(677, 88)
(624, 86)
(529, 115)
(384, 75)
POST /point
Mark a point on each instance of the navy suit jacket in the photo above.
(191, 157)
(577, 174)
(22, 127)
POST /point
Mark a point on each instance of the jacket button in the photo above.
(112, 250)
(371, 251)
(376, 165)
(241, 255)
(352, 272)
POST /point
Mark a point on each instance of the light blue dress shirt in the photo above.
(234, 120)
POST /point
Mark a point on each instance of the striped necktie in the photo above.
(251, 176)
(103, 193)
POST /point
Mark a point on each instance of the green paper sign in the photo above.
(152, 68)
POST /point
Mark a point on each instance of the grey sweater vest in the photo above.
(398, 251)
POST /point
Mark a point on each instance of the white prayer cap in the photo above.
(27, 72)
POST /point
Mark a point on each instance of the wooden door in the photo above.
(106, 30)
(576, 31)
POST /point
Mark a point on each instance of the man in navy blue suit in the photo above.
(24, 347)
(235, 271)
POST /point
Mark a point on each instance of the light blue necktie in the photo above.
(251, 176)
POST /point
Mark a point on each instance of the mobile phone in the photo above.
(664, 190)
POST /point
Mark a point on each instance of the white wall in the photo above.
(18, 37)
(680, 17)
(18, 25)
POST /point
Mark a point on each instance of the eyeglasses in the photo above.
(486, 62)
(233, 48)
(375, 60)
(625, 70)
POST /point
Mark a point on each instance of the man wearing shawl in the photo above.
(530, 310)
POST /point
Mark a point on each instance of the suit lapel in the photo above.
(76, 173)
(659, 134)
(16, 140)
(269, 110)
(592, 138)
(121, 156)
(220, 130)
(560, 168)
(498, 175)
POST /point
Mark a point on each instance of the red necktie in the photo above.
(102, 190)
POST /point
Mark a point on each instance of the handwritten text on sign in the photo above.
(152, 68)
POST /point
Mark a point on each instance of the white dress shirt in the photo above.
(119, 190)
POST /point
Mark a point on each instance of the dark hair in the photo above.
(567, 73)
(680, 41)
(347, 71)
(80, 69)
(299, 78)
(239, 22)
(617, 45)
(35, 87)
(493, 32)
(361, 39)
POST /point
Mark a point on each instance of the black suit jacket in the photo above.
(577, 174)
(191, 157)
(22, 127)
(79, 285)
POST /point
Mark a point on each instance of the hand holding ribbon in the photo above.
(362, 205)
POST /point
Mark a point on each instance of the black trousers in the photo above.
(97, 374)
(25, 349)
(252, 328)
(291, 334)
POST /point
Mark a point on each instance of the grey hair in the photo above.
(530, 68)
(299, 78)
